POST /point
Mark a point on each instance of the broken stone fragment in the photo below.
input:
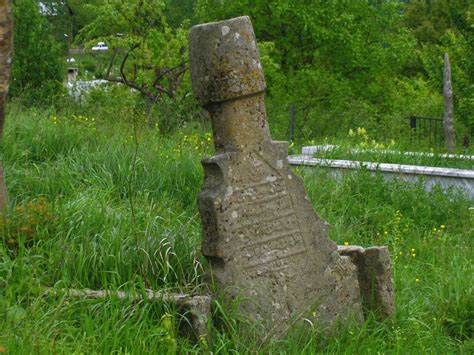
(374, 272)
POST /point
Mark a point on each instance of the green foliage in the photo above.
(340, 64)
(355, 39)
(440, 27)
(139, 33)
(37, 69)
(57, 14)
(178, 11)
(80, 13)
(342, 61)
(344, 64)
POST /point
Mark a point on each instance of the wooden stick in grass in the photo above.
(198, 307)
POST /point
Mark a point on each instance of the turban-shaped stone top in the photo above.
(224, 61)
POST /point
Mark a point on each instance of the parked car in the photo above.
(101, 46)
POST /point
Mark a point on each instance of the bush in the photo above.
(37, 68)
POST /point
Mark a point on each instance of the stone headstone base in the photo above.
(374, 272)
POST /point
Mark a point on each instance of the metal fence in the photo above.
(424, 130)
(428, 129)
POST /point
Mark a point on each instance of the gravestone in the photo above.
(261, 236)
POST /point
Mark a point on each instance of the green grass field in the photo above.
(112, 205)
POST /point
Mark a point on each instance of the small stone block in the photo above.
(374, 271)
(199, 308)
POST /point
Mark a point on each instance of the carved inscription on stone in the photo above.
(261, 236)
(270, 233)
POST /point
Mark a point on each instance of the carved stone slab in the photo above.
(261, 236)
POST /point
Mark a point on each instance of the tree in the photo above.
(441, 27)
(80, 14)
(37, 68)
(178, 11)
(6, 29)
(448, 119)
(147, 54)
(57, 14)
(339, 58)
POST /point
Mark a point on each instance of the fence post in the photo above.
(448, 118)
(292, 121)
(412, 128)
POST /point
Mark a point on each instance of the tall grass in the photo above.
(97, 204)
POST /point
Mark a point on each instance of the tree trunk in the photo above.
(148, 112)
(448, 121)
(6, 44)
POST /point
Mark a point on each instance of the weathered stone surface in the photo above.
(374, 271)
(260, 233)
(220, 76)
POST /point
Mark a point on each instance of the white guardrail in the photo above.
(446, 177)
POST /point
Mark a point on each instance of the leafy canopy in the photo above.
(37, 67)
(153, 55)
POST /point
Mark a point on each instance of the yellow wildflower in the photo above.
(361, 131)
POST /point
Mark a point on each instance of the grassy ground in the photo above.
(106, 205)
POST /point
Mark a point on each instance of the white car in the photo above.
(101, 46)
